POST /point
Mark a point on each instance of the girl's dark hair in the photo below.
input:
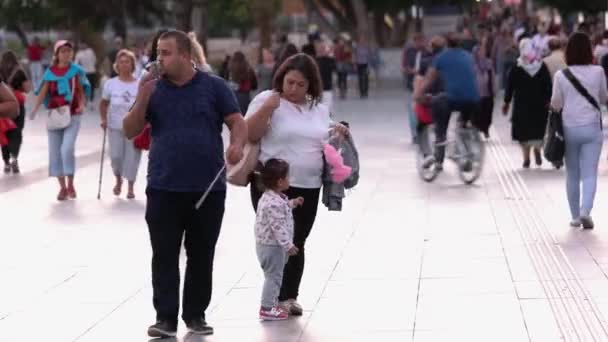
(153, 54)
(579, 50)
(8, 63)
(238, 67)
(273, 171)
(309, 69)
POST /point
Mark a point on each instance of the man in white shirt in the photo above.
(87, 59)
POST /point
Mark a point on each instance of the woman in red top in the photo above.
(15, 77)
(64, 84)
(344, 63)
(242, 79)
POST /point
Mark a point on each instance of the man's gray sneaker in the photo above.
(199, 327)
(163, 329)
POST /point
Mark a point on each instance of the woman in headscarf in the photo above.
(530, 87)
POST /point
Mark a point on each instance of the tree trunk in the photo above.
(183, 15)
(344, 21)
(315, 12)
(262, 13)
(204, 27)
(15, 27)
(200, 21)
(120, 27)
(361, 17)
(380, 28)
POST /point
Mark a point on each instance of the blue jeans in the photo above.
(583, 149)
(62, 159)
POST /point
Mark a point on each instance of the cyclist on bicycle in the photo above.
(455, 67)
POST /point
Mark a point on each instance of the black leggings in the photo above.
(15, 138)
(304, 218)
(92, 77)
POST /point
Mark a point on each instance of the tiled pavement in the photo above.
(404, 261)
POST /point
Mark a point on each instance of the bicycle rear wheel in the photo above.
(425, 164)
(472, 152)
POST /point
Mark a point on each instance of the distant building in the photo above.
(293, 8)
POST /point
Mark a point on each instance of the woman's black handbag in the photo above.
(555, 145)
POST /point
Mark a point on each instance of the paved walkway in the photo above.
(404, 261)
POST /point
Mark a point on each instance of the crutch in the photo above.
(200, 202)
(103, 154)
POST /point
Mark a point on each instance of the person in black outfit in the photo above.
(327, 67)
(17, 80)
(310, 48)
(290, 50)
(186, 109)
(530, 89)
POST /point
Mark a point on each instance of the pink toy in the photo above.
(339, 171)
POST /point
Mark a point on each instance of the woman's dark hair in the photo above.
(238, 67)
(307, 66)
(8, 63)
(273, 171)
(579, 50)
(224, 71)
(153, 54)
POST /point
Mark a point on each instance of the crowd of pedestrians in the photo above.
(538, 71)
(283, 104)
(178, 80)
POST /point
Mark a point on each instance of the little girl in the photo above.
(274, 235)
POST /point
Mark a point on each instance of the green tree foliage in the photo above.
(89, 15)
(228, 15)
(570, 6)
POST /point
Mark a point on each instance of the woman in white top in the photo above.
(291, 124)
(582, 126)
(117, 98)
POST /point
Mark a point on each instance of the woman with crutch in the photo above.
(117, 98)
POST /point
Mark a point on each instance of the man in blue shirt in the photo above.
(455, 66)
(186, 109)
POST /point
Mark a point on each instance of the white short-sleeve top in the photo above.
(296, 134)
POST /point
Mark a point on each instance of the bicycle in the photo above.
(466, 150)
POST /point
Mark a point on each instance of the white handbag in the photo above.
(60, 117)
(239, 173)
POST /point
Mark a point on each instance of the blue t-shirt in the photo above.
(187, 150)
(457, 71)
